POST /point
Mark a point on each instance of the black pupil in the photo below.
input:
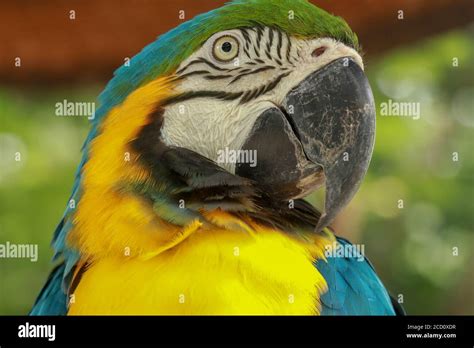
(226, 47)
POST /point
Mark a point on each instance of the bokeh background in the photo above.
(427, 57)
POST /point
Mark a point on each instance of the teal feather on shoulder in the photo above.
(354, 287)
(52, 300)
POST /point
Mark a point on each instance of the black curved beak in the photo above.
(332, 113)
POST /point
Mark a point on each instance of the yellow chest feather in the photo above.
(211, 272)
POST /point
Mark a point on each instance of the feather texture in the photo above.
(52, 299)
(353, 287)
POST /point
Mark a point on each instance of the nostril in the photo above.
(319, 51)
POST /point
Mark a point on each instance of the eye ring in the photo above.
(225, 48)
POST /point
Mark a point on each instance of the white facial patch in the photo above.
(225, 98)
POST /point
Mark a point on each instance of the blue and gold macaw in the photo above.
(188, 199)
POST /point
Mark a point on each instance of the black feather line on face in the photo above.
(288, 49)
(269, 56)
(201, 61)
(247, 52)
(218, 77)
(256, 51)
(192, 73)
(201, 94)
(259, 30)
(246, 36)
(279, 45)
(270, 39)
(222, 95)
(178, 173)
(256, 71)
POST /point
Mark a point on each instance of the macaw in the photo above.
(168, 215)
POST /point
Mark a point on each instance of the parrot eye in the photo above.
(225, 48)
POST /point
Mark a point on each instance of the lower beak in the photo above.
(333, 115)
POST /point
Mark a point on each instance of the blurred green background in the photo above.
(411, 247)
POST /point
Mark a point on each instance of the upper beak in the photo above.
(334, 119)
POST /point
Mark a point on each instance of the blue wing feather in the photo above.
(354, 287)
(52, 300)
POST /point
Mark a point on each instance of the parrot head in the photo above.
(278, 82)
